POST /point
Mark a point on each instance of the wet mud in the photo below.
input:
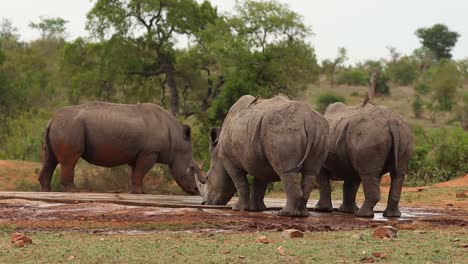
(108, 217)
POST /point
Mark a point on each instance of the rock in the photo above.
(385, 231)
(226, 251)
(461, 194)
(359, 236)
(262, 239)
(71, 257)
(19, 243)
(367, 260)
(281, 250)
(241, 257)
(463, 245)
(380, 255)
(20, 237)
(292, 233)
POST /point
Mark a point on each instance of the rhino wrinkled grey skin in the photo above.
(272, 139)
(109, 135)
(364, 143)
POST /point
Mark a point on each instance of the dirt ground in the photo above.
(438, 206)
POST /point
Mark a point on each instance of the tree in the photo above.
(8, 30)
(439, 39)
(50, 28)
(152, 26)
(330, 67)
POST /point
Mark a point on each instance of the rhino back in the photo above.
(268, 133)
(111, 131)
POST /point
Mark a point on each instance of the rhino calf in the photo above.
(364, 143)
(272, 139)
(109, 135)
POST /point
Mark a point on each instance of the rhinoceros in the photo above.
(271, 139)
(365, 142)
(107, 134)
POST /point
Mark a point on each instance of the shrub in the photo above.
(422, 88)
(404, 71)
(353, 77)
(328, 98)
(438, 156)
(417, 106)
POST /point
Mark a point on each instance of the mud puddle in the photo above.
(110, 218)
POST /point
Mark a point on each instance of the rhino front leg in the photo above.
(257, 194)
(142, 165)
(350, 188)
(292, 187)
(324, 204)
(239, 177)
(371, 187)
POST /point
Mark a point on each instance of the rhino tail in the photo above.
(395, 132)
(310, 140)
(47, 152)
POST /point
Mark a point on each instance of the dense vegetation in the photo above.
(261, 48)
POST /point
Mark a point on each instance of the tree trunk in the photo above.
(173, 92)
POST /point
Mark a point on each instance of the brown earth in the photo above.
(423, 208)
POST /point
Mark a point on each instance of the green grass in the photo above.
(333, 247)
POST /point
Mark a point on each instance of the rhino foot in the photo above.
(70, 188)
(293, 212)
(392, 213)
(364, 212)
(351, 209)
(240, 207)
(257, 206)
(323, 207)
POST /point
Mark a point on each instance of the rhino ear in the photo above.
(187, 132)
(214, 135)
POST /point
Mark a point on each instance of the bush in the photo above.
(438, 156)
(404, 71)
(353, 77)
(422, 88)
(381, 86)
(417, 106)
(328, 98)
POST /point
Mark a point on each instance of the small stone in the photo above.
(385, 231)
(281, 250)
(292, 233)
(461, 195)
(102, 239)
(71, 257)
(359, 236)
(455, 239)
(19, 243)
(226, 251)
(20, 237)
(367, 260)
(380, 255)
(463, 245)
(262, 239)
(241, 257)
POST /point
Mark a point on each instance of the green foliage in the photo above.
(50, 28)
(417, 106)
(439, 39)
(381, 86)
(325, 99)
(439, 155)
(403, 71)
(331, 67)
(353, 76)
(422, 88)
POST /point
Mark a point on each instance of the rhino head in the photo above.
(218, 188)
(183, 168)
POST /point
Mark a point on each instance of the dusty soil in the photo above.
(104, 217)
(419, 212)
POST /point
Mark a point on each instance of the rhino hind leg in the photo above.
(257, 194)
(138, 171)
(294, 203)
(45, 175)
(324, 204)
(67, 175)
(396, 184)
(350, 188)
(371, 187)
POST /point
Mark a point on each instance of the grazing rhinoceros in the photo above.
(365, 142)
(108, 135)
(273, 139)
